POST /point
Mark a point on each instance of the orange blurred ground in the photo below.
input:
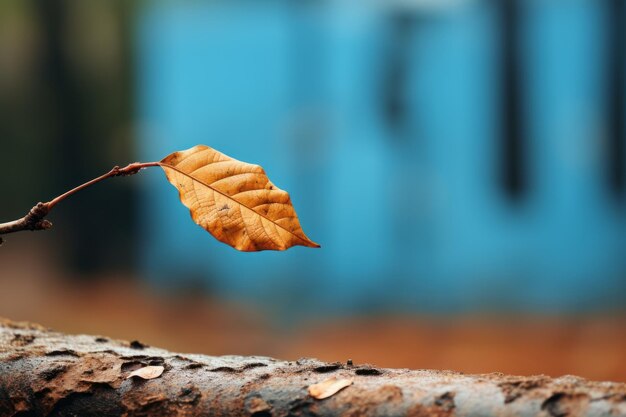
(31, 289)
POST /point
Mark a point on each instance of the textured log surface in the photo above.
(45, 373)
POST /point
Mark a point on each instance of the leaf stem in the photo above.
(35, 218)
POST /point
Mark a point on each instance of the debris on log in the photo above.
(45, 373)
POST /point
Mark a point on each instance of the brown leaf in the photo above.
(234, 201)
(147, 372)
(328, 387)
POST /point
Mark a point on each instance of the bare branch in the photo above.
(35, 218)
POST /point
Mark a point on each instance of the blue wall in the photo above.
(411, 215)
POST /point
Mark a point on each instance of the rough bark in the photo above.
(45, 373)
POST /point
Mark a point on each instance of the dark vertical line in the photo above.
(615, 95)
(513, 164)
(394, 95)
(62, 104)
(79, 105)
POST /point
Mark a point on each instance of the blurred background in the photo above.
(461, 162)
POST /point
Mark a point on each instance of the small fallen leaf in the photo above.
(328, 388)
(147, 372)
(234, 201)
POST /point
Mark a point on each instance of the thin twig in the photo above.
(35, 218)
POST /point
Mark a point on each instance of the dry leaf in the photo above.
(234, 201)
(328, 388)
(147, 372)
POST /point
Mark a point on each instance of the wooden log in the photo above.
(46, 373)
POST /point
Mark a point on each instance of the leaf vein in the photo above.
(172, 167)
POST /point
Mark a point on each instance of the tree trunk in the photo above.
(45, 373)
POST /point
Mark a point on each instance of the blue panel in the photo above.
(411, 220)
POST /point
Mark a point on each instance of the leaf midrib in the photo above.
(230, 198)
